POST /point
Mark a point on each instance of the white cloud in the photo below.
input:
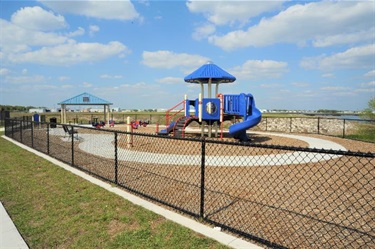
(86, 85)
(80, 31)
(345, 38)
(335, 88)
(270, 85)
(356, 57)
(4, 71)
(25, 79)
(16, 39)
(40, 87)
(369, 84)
(110, 10)
(136, 86)
(36, 18)
(318, 22)
(260, 69)
(328, 75)
(227, 12)
(93, 29)
(64, 78)
(168, 59)
(203, 31)
(26, 40)
(107, 76)
(300, 84)
(70, 53)
(370, 74)
(219, 13)
(44, 87)
(368, 87)
(170, 80)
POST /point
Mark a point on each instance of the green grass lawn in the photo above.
(53, 208)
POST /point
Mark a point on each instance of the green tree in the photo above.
(369, 112)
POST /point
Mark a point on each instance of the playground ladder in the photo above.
(181, 123)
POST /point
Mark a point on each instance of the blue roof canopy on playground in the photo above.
(207, 74)
(210, 71)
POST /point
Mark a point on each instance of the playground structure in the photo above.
(214, 111)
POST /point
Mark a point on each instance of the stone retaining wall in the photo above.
(327, 126)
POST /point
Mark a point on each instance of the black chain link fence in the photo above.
(280, 196)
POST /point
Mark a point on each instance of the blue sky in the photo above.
(290, 55)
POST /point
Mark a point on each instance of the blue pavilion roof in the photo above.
(209, 71)
(85, 99)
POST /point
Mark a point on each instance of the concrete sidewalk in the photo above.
(10, 238)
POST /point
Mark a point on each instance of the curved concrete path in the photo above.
(106, 150)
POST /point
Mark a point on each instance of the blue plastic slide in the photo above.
(168, 130)
(238, 130)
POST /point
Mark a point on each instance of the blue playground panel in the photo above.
(242, 105)
(233, 104)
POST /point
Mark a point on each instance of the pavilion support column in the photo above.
(105, 113)
(109, 110)
(61, 114)
(64, 113)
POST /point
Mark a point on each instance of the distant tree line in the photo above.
(15, 108)
(327, 111)
(145, 110)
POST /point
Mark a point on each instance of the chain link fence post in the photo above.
(116, 159)
(72, 146)
(12, 128)
(21, 127)
(32, 135)
(48, 138)
(203, 151)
